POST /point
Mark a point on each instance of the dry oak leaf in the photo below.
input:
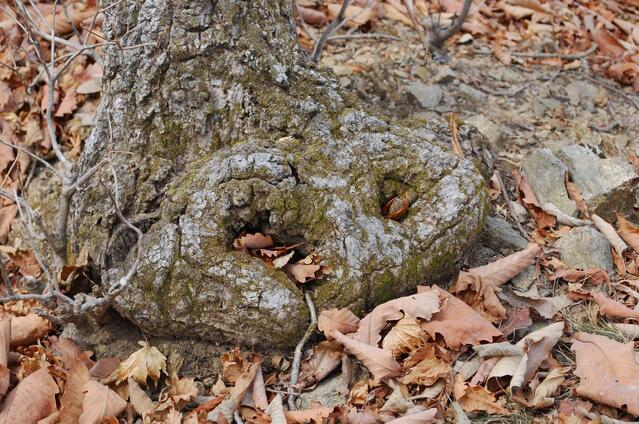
(379, 362)
(404, 337)
(275, 410)
(74, 391)
(252, 241)
(342, 320)
(594, 275)
(629, 232)
(608, 370)
(181, 391)
(613, 309)
(425, 367)
(326, 356)
(457, 322)
(420, 305)
(5, 343)
(141, 364)
(475, 398)
(31, 400)
(542, 397)
(100, 402)
(315, 414)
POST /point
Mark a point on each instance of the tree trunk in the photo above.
(225, 126)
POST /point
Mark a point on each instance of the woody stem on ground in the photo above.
(439, 35)
(297, 357)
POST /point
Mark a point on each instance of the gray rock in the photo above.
(429, 96)
(545, 173)
(501, 236)
(487, 128)
(445, 75)
(472, 94)
(520, 213)
(585, 247)
(608, 184)
(328, 392)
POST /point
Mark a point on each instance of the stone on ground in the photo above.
(584, 248)
(545, 174)
(501, 236)
(428, 96)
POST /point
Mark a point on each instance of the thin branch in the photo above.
(369, 35)
(5, 275)
(440, 36)
(34, 156)
(297, 358)
(562, 56)
(319, 46)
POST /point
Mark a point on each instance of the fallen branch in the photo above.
(439, 36)
(297, 357)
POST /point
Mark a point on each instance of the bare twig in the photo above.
(34, 156)
(439, 36)
(5, 276)
(410, 8)
(297, 357)
(319, 46)
(562, 56)
(369, 35)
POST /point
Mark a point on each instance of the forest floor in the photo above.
(538, 326)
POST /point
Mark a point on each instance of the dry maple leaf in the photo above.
(379, 362)
(475, 398)
(629, 232)
(457, 322)
(73, 395)
(31, 400)
(613, 309)
(326, 356)
(404, 337)
(421, 305)
(608, 370)
(181, 391)
(99, 402)
(143, 363)
(342, 320)
(425, 368)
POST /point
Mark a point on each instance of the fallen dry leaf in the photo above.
(629, 232)
(316, 414)
(342, 320)
(28, 329)
(379, 362)
(542, 397)
(424, 367)
(100, 402)
(141, 402)
(252, 241)
(421, 417)
(475, 398)
(74, 391)
(594, 275)
(457, 322)
(608, 370)
(141, 364)
(31, 400)
(421, 305)
(404, 337)
(326, 357)
(5, 343)
(613, 309)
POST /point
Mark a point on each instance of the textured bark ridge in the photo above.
(224, 127)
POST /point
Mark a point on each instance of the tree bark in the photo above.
(226, 126)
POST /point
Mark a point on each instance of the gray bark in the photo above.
(226, 126)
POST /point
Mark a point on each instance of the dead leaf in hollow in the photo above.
(74, 391)
(141, 364)
(404, 337)
(252, 241)
(608, 370)
(420, 305)
(613, 309)
(326, 356)
(379, 362)
(28, 329)
(302, 273)
(281, 261)
(31, 400)
(457, 322)
(342, 320)
(396, 208)
(425, 368)
(475, 398)
(629, 232)
(100, 402)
